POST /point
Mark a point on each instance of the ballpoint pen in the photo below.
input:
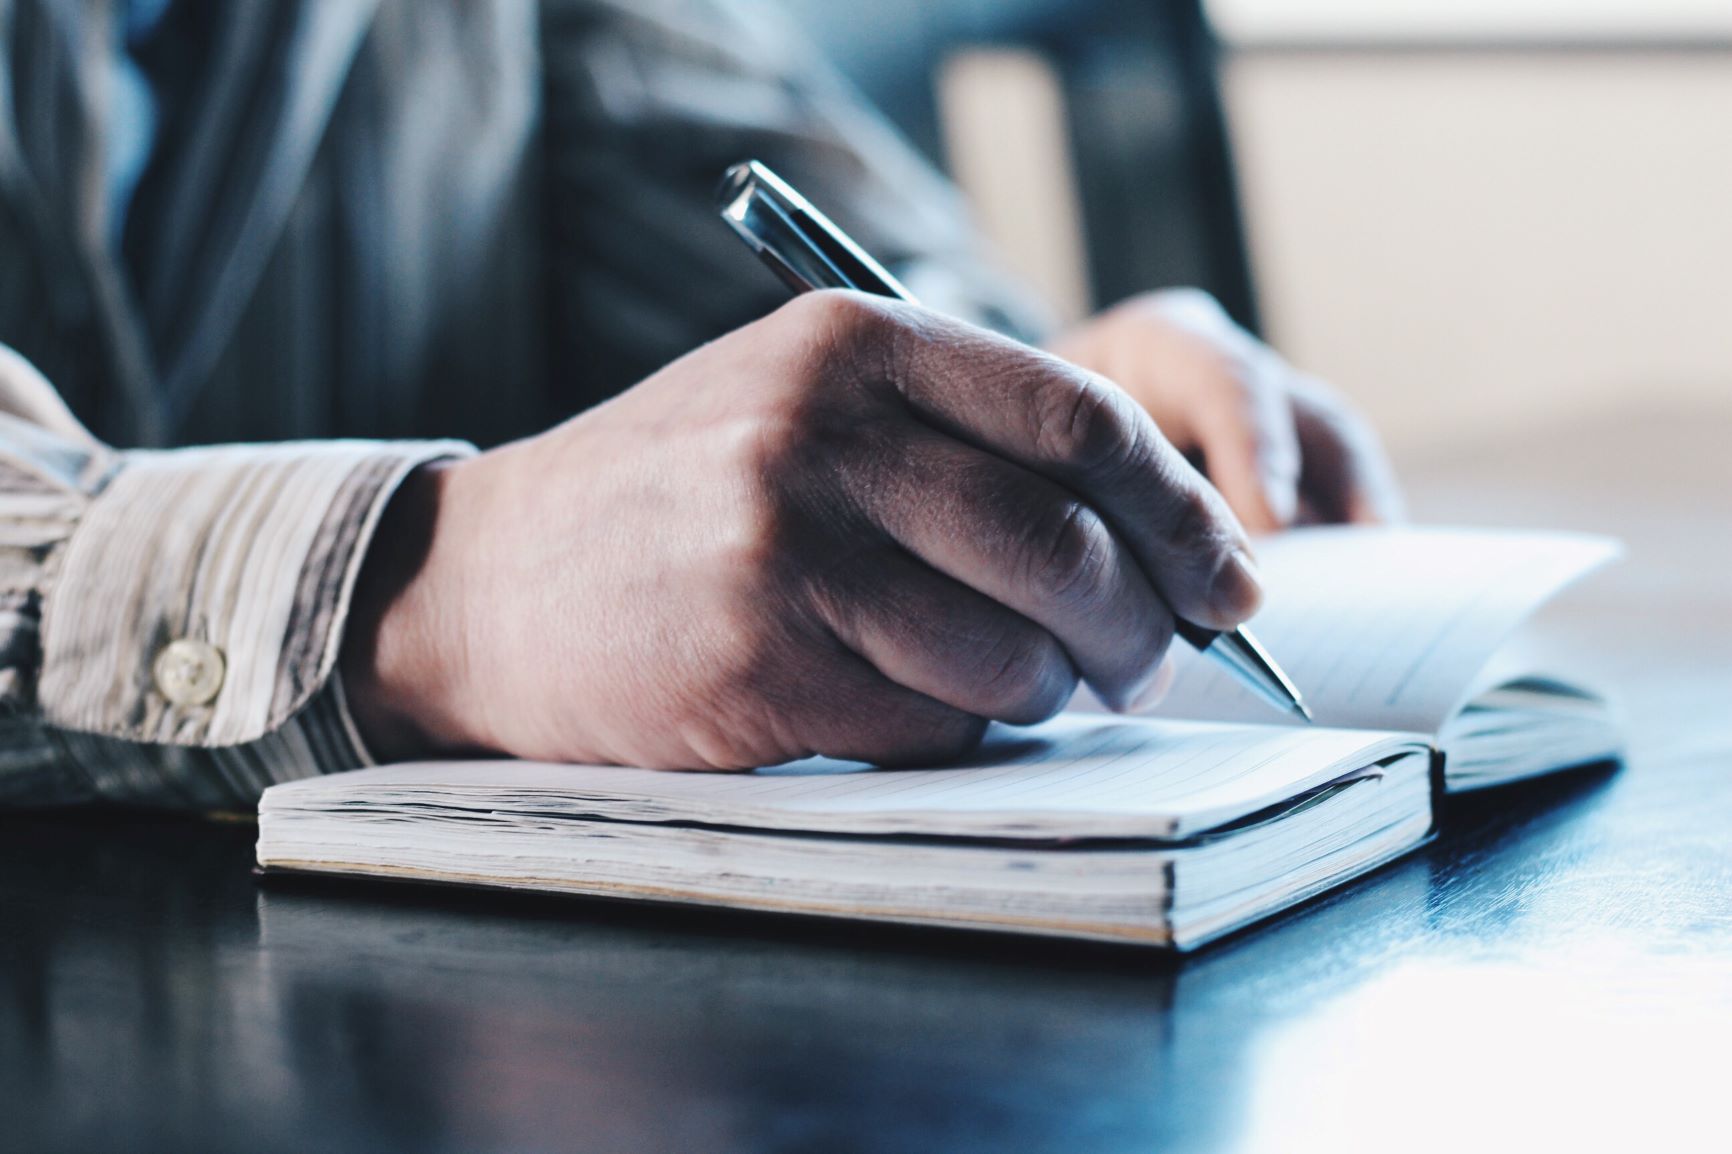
(807, 252)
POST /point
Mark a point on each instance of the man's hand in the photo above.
(1281, 446)
(853, 528)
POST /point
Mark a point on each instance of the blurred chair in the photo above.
(1141, 111)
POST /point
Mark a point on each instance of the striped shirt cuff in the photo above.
(197, 611)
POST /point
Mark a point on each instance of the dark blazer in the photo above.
(396, 218)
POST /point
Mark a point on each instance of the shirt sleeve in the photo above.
(647, 103)
(170, 620)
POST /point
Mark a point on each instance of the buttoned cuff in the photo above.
(201, 598)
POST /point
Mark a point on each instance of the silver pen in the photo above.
(807, 252)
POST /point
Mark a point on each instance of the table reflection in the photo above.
(163, 997)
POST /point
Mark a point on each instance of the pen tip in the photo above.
(1302, 711)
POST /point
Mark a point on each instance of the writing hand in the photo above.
(854, 528)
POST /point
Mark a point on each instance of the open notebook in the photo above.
(1157, 830)
(1411, 630)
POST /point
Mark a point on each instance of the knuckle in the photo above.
(1087, 425)
(1241, 385)
(844, 324)
(767, 528)
(1187, 297)
(1241, 390)
(1014, 679)
(1197, 312)
(777, 436)
(793, 446)
(739, 653)
(1192, 524)
(860, 341)
(762, 547)
(828, 309)
(1068, 554)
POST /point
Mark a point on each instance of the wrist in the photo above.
(401, 659)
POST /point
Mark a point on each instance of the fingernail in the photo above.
(1238, 588)
(1155, 691)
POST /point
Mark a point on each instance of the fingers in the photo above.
(1346, 475)
(858, 714)
(941, 639)
(1238, 412)
(1083, 432)
(1026, 544)
(1243, 422)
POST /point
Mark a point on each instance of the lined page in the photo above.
(1077, 776)
(1387, 628)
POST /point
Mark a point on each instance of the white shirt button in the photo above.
(189, 672)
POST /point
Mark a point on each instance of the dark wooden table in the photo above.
(1555, 972)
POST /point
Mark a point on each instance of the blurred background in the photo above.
(1478, 217)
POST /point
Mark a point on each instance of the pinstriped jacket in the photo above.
(418, 225)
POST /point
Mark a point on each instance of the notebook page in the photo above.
(1387, 628)
(1075, 776)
